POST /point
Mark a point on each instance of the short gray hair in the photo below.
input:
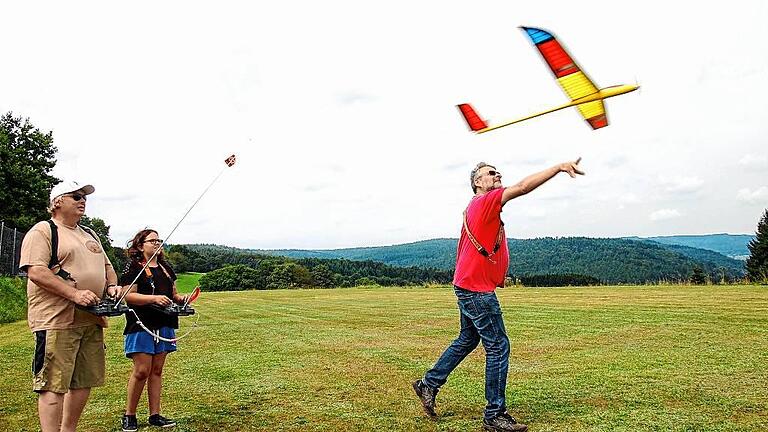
(473, 174)
(52, 205)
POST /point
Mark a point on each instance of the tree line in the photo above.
(610, 260)
(231, 269)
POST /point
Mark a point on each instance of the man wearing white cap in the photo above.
(69, 342)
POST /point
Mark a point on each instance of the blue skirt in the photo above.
(143, 342)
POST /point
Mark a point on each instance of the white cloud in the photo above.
(617, 161)
(629, 198)
(665, 214)
(625, 199)
(757, 196)
(680, 184)
(534, 213)
(354, 97)
(754, 161)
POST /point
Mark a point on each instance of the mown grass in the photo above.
(652, 358)
(186, 282)
(13, 299)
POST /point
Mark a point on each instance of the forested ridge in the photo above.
(231, 268)
(610, 260)
(730, 245)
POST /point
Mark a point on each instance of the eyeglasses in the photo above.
(153, 241)
(491, 173)
(78, 197)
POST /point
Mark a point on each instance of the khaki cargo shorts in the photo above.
(68, 359)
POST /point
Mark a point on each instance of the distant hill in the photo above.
(610, 260)
(731, 245)
(436, 253)
(258, 270)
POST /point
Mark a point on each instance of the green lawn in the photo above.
(186, 282)
(654, 358)
(13, 299)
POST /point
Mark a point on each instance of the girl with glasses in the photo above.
(154, 290)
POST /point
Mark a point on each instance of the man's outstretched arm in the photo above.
(535, 180)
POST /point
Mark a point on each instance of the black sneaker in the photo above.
(158, 420)
(504, 423)
(427, 396)
(129, 423)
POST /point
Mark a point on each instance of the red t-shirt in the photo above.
(474, 272)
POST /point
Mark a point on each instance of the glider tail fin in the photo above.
(473, 120)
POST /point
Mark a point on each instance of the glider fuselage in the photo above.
(605, 93)
(601, 94)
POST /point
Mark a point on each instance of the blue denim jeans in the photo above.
(480, 321)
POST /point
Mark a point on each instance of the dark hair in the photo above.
(134, 251)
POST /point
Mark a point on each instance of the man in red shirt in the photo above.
(482, 261)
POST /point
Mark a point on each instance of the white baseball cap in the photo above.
(69, 186)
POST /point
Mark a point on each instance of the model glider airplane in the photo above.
(580, 89)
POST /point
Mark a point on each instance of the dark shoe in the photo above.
(129, 423)
(427, 396)
(504, 423)
(158, 420)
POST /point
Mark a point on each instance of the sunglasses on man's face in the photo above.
(78, 197)
(491, 173)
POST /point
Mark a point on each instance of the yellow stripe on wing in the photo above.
(577, 85)
(591, 109)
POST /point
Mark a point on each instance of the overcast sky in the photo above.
(343, 118)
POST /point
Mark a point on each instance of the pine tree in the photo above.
(698, 277)
(757, 263)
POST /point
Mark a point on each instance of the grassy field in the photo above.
(674, 358)
(186, 282)
(13, 299)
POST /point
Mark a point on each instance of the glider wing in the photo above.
(569, 75)
(474, 121)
